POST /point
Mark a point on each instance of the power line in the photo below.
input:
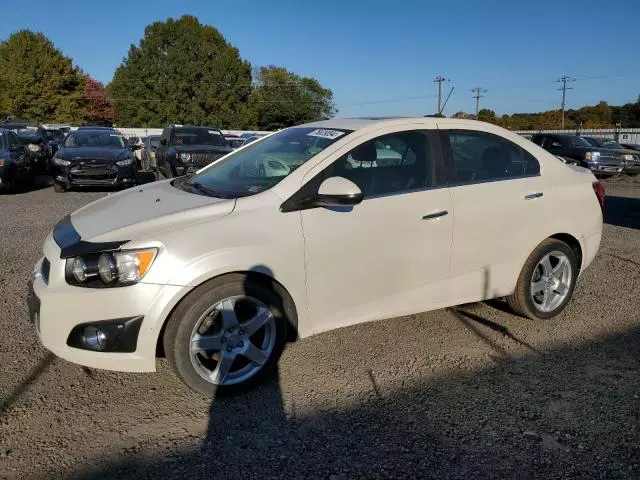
(564, 79)
(478, 95)
(439, 79)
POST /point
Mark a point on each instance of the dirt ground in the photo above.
(470, 392)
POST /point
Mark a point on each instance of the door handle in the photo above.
(531, 196)
(435, 215)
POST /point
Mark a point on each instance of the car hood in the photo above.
(141, 211)
(93, 153)
(202, 148)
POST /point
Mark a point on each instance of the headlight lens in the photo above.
(34, 148)
(124, 163)
(80, 270)
(112, 268)
(628, 157)
(185, 157)
(592, 156)
(60, 162)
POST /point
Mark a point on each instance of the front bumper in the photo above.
(605, 168)
(632, 167)
(90, 175)
(58, 308)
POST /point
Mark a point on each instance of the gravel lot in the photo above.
(472, 392)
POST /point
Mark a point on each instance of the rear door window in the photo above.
(482, 157)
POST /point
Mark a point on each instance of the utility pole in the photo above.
(439, 79)
(564, 79)
(478, 95)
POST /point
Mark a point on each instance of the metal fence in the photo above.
(621, 135)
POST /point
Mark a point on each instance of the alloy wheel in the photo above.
(551, 281)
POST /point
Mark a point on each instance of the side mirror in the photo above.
(338, 192)
(163, 142)
(134, 147)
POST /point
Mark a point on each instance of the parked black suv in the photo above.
(93, 158)
(34, 137)
(631, 156)
(601, 161)
(15, 164)
(185, 148)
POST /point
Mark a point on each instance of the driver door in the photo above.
(390, 254)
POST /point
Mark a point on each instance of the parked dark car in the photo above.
(234, 141)
(185, 149)
(602, 162)
(96, 127)
(93, 158)
(54, 137)
(34, 137)
(151, 144)
(631, 146)
(15, 165)
(631, 156)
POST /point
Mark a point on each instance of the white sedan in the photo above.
(313, 228)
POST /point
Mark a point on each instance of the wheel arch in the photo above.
(573, 243)
(258, 276)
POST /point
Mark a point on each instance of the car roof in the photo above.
(97, 130)
(19, 124)
(359, 123)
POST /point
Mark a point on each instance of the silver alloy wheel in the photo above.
(232, 340)
(551, 281)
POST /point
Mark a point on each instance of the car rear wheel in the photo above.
(226, 335)
(546, 282)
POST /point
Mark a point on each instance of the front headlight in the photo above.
(125, 163)
(113, 269)
(34, 148)
(60, 162)
(592, 156)
(629, 158)
(185, 157)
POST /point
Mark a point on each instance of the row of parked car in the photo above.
(102, 156)
(603, 156)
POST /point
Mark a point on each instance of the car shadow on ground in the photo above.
(622, 211)
(539, 415)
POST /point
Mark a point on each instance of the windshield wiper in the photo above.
(207, 190)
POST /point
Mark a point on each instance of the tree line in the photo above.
(601, 115)
(180, 72)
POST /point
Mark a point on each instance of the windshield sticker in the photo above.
(325, 133)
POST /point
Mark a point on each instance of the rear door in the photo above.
(500, 201)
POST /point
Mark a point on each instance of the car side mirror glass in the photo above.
(338, 192)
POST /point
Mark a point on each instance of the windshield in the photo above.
(28, 134)
(580, 142)
(263, 164)
(95, 139)
(590, 142)
(611, 144)
(154, 141)
(198, 136)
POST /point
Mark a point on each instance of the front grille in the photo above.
(44, 270)
(202, 159)
(94, 172)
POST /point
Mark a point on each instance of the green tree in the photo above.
(182, 72)
(37, 82)
(282, 99)
(486, 115)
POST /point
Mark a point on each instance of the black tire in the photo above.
(521, 300)
(59, 188)
(180, 326)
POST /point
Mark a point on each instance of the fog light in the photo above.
(94, 338)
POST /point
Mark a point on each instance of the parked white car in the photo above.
(313, 228)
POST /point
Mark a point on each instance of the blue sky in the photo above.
(380, 58)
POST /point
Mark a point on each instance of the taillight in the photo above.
(598, 188)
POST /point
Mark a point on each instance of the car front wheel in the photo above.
(226, 335)
(546, 282)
